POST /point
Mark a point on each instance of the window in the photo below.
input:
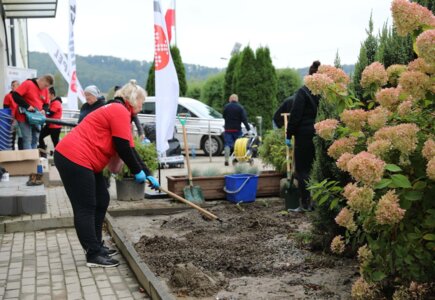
(149, 108)
(182, 110)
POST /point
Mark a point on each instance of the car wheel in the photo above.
(217, 145)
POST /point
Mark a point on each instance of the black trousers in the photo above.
(89, 199)
(304, 157)
(52, 132)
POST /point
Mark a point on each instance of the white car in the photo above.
(200, 118)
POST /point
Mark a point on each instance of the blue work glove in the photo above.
(288, 142)
(153, 183)
(140, 177)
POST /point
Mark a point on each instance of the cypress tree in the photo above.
(181, 72)
(150, 86)
(337, 61)
(245, 82)
(229, 76)
(394, 49)
(266, 87)
(367, 55)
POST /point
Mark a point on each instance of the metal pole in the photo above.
(209, 140)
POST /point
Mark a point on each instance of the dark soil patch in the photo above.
(255, 242)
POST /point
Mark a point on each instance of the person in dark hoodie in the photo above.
(54, 112)
(301, 126)
(234, 115)
(94, 100)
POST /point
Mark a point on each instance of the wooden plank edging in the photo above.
(144, 275)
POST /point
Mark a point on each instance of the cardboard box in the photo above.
(20, 162)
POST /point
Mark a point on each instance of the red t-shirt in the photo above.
(9, 101)
(90, 144)
(56, 108)
(33, 95)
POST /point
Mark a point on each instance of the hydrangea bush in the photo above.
(388, 149)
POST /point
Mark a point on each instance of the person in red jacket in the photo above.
(54, 112)
(80, 158)
(8, 102)
(31, 95)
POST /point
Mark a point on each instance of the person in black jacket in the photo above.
(94, 100)
(234, 115)
(301, 126)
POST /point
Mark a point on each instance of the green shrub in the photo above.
(273, 150)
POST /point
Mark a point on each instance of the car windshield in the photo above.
(205, 111)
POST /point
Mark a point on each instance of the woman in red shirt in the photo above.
(81, 157)
(52, 130)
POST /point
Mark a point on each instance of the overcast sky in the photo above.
(296, 31)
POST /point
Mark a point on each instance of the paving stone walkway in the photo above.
(51, 264)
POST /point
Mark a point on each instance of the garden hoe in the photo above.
(191, 192)
(291, 192)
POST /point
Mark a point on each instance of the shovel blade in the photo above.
(291, 196)
(193, 194)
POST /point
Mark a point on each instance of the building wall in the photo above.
(3, 61)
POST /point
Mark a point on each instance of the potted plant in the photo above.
(126, 187)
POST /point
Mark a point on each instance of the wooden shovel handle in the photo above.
(287, 153)
(200, 209)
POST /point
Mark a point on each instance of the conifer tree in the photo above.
(337, 61)
(212, 91)
(229, 77)
(246, 80)
(266, 87)
(289, 81)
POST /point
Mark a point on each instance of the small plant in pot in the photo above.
(126, 187)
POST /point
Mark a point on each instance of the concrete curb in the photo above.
(36, 225)
(145, 277)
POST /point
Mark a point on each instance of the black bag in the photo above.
(174, 147)
(149, 129)
(285, 107)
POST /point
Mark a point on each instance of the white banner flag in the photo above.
(72, 86)
(61, 62)
(166, 83)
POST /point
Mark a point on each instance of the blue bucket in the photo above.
(241, 188)
(5, 129)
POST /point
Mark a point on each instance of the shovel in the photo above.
(191, 193)
(291, 192)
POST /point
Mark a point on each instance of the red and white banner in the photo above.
(170, 20)
(166, 83)
(61, 62)
(72, 82)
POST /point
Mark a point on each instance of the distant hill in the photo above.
(108, 71)
(346, 68)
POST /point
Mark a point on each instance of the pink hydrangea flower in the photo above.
(366, 168)
(428, 149)
(402, 137)
(374, 75)
(343, 160)
(337, 244)
(415, 83)
(405, 108)
(365, 255)
(430, 169)
(394, 72)
(380, 148)
(362, 290)
(388, 211)
(318, 84)
(345, 219)
(359, 199)
(336, 74)
(426, 45)
(378, 117)
(326, 128)
(355, 119)
(409, 17)
(419, 64)
(388, 97)
(341, 146)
